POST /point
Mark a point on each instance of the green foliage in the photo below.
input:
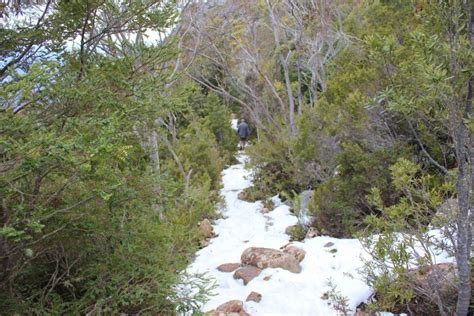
(89, 223)
(403, 241)
(217, 121)
(339, 205)
(338, 302)
(196, 148)
(296, 232)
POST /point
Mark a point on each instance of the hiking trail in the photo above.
(243, 225)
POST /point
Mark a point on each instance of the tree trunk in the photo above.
(154, 151)
(300, 95)
(465, 187)
(291, 99)
(284, 64)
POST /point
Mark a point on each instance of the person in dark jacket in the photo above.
(244, 131)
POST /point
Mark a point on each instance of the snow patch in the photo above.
(234, 123)
(286, 293)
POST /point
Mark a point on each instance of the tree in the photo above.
(101, 186)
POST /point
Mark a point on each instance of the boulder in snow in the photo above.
(228, 267)
(270, 258)
(247, 273)
(231, 308)
(254, 296)
(205, 229)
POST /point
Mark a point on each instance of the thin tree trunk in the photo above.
(154, 152)
(300, 96)
(464, 186)
(284, 64)
(291, 99)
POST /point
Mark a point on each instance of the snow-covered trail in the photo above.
(285, 293)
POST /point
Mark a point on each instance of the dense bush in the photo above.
(90, 223)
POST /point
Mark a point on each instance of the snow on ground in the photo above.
(234, 123)
(286, 293)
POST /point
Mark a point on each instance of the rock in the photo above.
(228, 267)
(268, 204)
(216, 313)
(254, 296)
(329, 244)
(270, 258)
(205, 229)
(361, 313)
(265, 210)
(296, 252)
(267, 278)
(243, 195)
(312, 232)
(234, 306)
(428, 282)
(247, 273)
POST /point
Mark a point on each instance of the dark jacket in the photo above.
(243, 130)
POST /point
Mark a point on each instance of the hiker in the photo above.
(244, 132)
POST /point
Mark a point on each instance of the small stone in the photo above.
(228, 267)
(234, 306)
(329, 244)
(205, 229)
(333, 250)
(267, 278)
(247, 273)
(254, 296)
(312, 232)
